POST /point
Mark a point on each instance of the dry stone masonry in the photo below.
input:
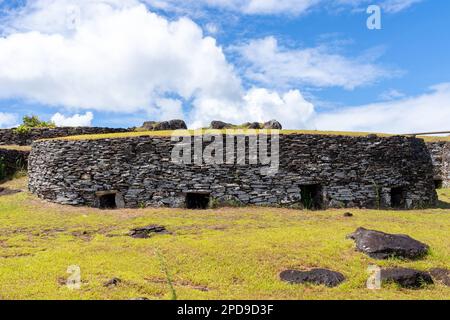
(12, 161)
(11, 137)
(316, 171)
(440, 153)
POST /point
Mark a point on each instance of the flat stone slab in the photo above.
(146, 232)
(315, 276)
(406, 278)
(441, 275)
(380, 245)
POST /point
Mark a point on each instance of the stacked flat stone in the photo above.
(11, 137)
(440, 154)
(351, 171)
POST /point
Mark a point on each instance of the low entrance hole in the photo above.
(311, 196)
(107, 201)
(398, 198)
(438, 183)
(197, 201)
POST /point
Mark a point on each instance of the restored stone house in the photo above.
(315, 171)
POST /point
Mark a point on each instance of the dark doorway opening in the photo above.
(398, 198)
(107, 201)
(197, 201)
(438, 183)
(311, 196)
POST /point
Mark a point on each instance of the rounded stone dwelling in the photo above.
(315, 171)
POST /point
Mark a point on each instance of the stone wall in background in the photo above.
(325, 171)
(440, 153)
(12, 161)
(10, 137)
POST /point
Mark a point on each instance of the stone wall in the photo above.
(10, 137)
(440, 153)
(12, 161)
(342, 171)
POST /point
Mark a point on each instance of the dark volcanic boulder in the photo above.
(315, 276)
(149, 125)
(218, 125)
(407, 278)
(254, 125)
(146, 232)
(380, 245)
(177, 125)
(441, 275)
(273, 124)
(165, 125)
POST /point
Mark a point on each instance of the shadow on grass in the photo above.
(443, 205)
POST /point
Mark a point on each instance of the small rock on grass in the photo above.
(348, 214)
(406, 278)
(325, 277)
(112, 283)
(146, 232)
(441, 275)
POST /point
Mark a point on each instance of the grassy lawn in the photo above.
(215, 254)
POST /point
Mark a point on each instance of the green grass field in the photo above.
(231, 253)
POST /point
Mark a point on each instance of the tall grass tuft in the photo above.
(165, 270)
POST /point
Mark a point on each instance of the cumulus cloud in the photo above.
(7, 120)
(119, 57)
(258, 104)
(167, 109)
(268, 63)
(77, 120)
(428, 112)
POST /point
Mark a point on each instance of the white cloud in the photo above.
(7, 120)
(269, 63)
(275, 7)
(120, 57)
(212, 28)
(167, 109)
(391, 94)
(116, 56)
(261, 7)
(428, 112)
(77, 120)
(394, 6)
(290, 108)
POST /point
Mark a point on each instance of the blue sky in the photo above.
(311, 64)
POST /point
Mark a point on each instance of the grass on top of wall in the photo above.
(236, 131)
(228, 253)
(15, 147)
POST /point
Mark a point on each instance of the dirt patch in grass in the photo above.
(180, 283)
